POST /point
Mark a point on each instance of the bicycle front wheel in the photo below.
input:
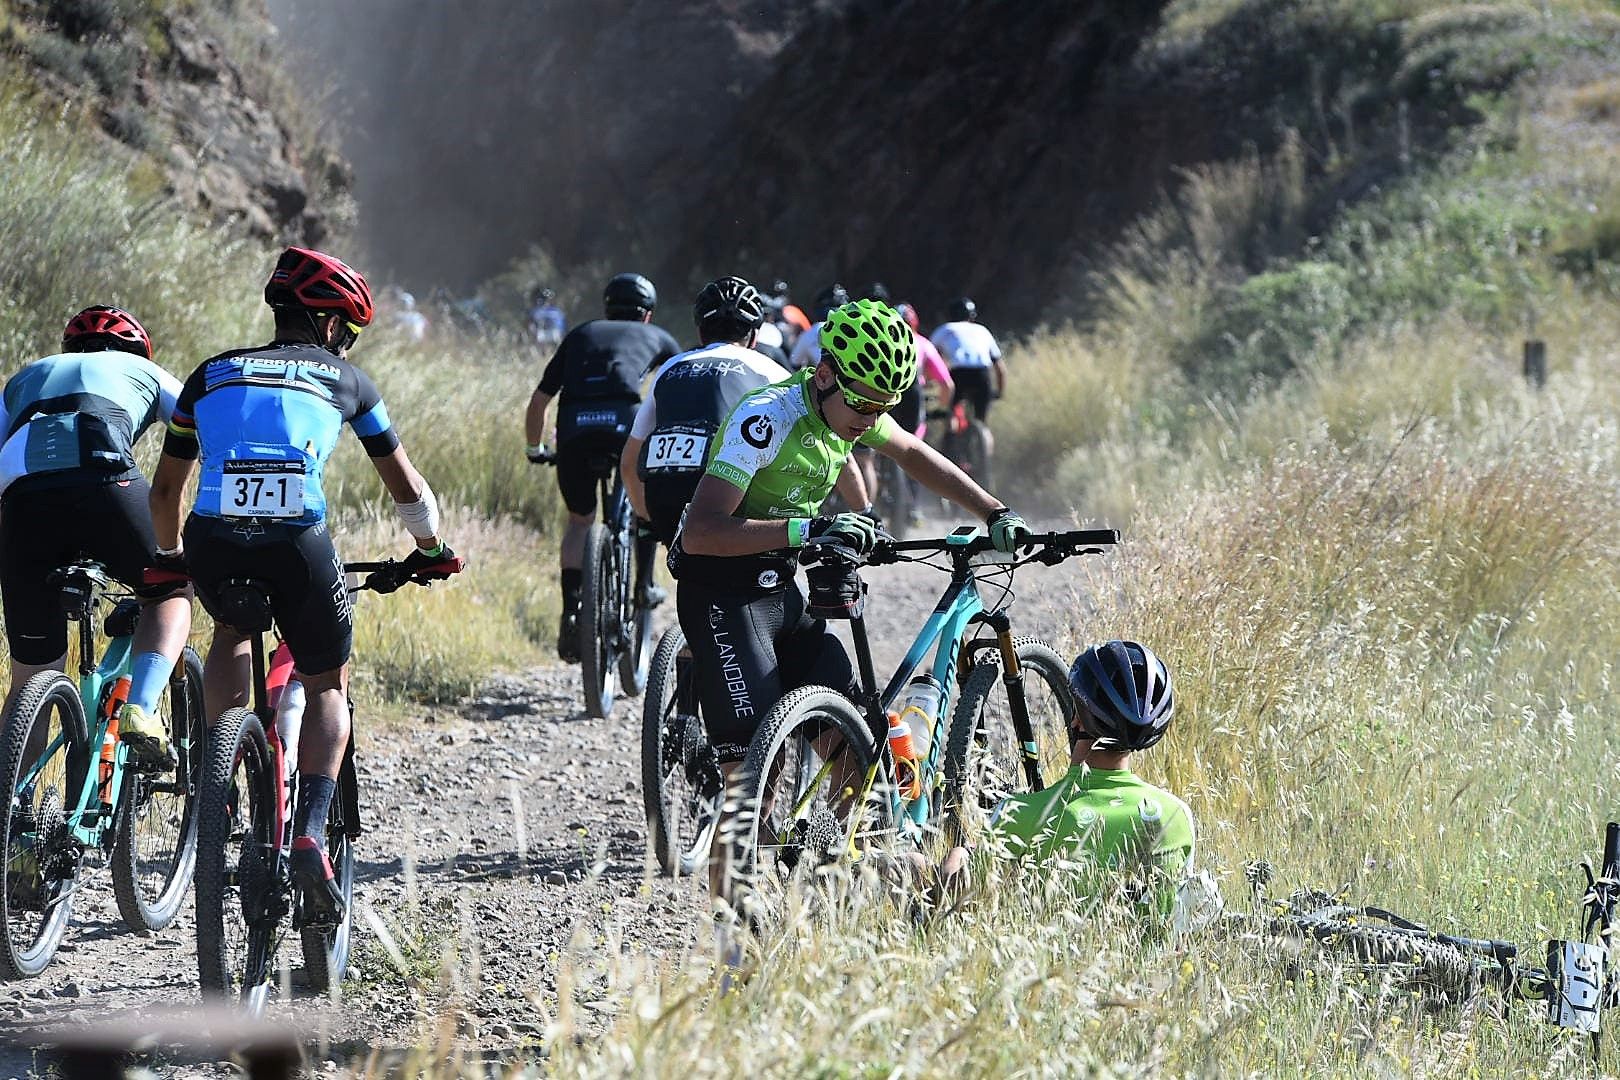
(984, 752)
(1408, 959)
(598, 611)
(156, 845)
(680, 776)
(796, 803)
(236, 861)
(44, 755)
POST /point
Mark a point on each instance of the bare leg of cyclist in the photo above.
(20, 674)
(572, 558)
(227, 673)
(321, 744)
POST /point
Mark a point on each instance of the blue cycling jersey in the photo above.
(73, 418)
(264, 421)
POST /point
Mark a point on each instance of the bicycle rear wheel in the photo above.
(973, 446)
(680, 776)
(156, 845)
(598, 611)
(326, 950)
(239, 901)
(44, 753)
(984, 758)
(793, 804)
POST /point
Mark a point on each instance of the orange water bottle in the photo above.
(116, 698)
(906, 776)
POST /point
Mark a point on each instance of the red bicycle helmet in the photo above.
(319, 282)
(121, 330)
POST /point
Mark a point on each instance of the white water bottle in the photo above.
(918, 707)
(289, 721)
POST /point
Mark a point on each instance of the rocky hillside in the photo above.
(192, 92)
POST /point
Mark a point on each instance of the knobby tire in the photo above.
(597, 589)
(150, 885)
(34, 927)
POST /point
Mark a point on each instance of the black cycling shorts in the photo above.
(751, 647)
(973, 386)
(302, 571)
(581, 462)
(45, 528)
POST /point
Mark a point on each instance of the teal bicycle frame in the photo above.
(91, 816)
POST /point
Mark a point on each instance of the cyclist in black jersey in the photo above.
(263, 421)
(596, 376)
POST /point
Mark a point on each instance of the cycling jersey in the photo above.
(1110, 816)
(966, 345)
(264, 422)
(690, 396)
(807, 350)
(73, 418)
(600, 364)
(776, 448)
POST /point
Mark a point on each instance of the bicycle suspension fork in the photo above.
(1012, 677)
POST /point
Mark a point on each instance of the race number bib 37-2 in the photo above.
(262, 489)
(676, 450)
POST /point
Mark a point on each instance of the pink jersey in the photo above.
(930, 369)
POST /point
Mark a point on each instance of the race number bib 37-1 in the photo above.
(262, 489)
(676, 450)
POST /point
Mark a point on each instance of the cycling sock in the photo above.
(314, 799)
(571, 582)
(148, 675)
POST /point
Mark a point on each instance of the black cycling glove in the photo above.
(856, 531)
(437, 564)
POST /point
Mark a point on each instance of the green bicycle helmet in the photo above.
(867, 341)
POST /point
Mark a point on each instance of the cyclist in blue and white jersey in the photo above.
(71, 490)
(264, 422)
(973, 357)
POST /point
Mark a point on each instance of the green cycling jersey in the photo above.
(776, 448)
(1110, 816)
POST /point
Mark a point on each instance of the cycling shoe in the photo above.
(320, 901)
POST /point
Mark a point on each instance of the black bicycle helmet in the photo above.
(628, 295)
(876, 291)
(963, 310)
(833, 296)
(730, 304)
(1126, 691)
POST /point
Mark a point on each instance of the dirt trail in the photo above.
(501, 831)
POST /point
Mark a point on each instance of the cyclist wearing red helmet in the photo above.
(72, 490)
(263, 422)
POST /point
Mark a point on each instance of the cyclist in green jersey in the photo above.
(1100, 809)
(768, 472)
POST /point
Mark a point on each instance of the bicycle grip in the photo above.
(1611, 850)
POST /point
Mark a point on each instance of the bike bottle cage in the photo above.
(244, 605)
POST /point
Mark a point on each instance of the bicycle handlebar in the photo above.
(1074, 542)
(389, 575)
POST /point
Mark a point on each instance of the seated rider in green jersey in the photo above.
(772, 464)
(1100, 810)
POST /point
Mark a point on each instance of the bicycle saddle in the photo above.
(602, 465)
(244, 605)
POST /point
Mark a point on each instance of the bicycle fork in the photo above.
(1012, 677)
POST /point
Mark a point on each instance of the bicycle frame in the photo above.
(91, 815)
(944, 631)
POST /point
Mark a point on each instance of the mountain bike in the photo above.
(680, 773)
(1578, 983)
(819, 780)
(72, 793)
(967, 443)
(615, 617)
(247, 793)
